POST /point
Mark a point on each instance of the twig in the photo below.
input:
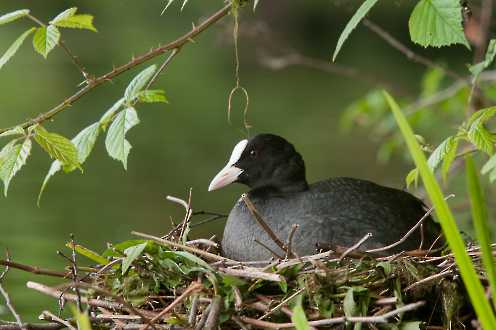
(32, 326)
(46, 315)
(428, 279)
(411, 55)
(203, 241)
(11, 308)
(252, 273)
(207, 220)
(193, 311)
(55, 293)
(166, 62)
(203, 318)
(213, 316)
(274, 253)
(336, 320)
(33, 269)
(182, 246)
(356, 246)
(187, 216)
(192, 288)
(282, 303)
(263, 224)
(290, 240)
(74, 273)
(425, 216)
(6, 270)
(178, 43)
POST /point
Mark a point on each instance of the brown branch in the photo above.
(33, 269)
(356, 246)
(252, 273)
(213, 315)
(336, 320)
(281, 304)
(178, 43)
(195, 286)
(32, 326)
(290, 240)
(264, 225)
(55, 293)
(11, 308)
(181, 246)
(410, 54)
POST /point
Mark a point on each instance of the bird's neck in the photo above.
(280, 189)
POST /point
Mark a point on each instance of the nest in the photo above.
(172, 283)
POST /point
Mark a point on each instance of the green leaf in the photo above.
(82, 318)
(14, 47)
(349, 305)
(18, 130)
(477, 69)
(481, 222)
(438, 154)
(84, 142)
(77, 22)
(57, 146)
(489, 165)
(482, 115)
(447, 221)
(449, 158)
(411, 325)
(192, 258)
(138, 83)
(480, 137)
(299, 318)
(132, 253)
(10, 17)
(412, 177)
(117, 145)
(64, 15)
(45, 39)
(352, 24)
(109, 114)
(233, 281)
(12, 158)
(437, 23)
(88, 253)
(152, 96)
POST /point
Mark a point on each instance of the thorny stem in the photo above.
(92, 84)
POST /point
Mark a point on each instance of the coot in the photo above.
(337, 211)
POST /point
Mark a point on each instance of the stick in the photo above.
(33, 269)
(252, 273)
(46, 315)
(181, 246)
(193, 287)
(11, 308)
(290, 240)
(356, 246)
(213, 316)
(336, 320)
(282, 303)
(263, 224)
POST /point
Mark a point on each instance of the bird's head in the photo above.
(264, 162)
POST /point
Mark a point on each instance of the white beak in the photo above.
(229, 173)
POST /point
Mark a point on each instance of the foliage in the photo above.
(447, 221)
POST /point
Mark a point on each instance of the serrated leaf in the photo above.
(482, 115)
(449, 158)
(18, 130)
(138, 83)
(440, 152)
(477, 69)
(132, 253)
(77, 22)
(117, 145)
(352, 24)
(299, 318)
(108, 115)
(437, 23)
(10, 17)
(412, 177)
(92, 255)
(12, 158)
(152, 96)
(480, 137)
(64, 15)
(14, 47)
(57, 146)
(84, 142)
(45, 39)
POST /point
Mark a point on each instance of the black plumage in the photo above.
(337, 211)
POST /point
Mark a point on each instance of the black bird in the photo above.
(337, 211)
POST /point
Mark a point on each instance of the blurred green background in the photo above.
(184, 143)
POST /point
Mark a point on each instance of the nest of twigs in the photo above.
(171, 283)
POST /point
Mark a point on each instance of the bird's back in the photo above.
(338, 211)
